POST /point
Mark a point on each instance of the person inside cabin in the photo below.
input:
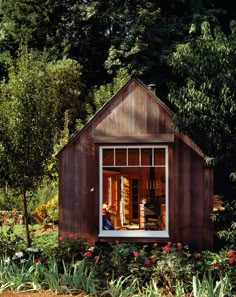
(107, 225)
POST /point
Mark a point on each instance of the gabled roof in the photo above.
(185, 138)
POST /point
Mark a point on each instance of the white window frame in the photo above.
(133, 233)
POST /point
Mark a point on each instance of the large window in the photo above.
(134, 191)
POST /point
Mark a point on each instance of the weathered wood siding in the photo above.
(134, 111)
(192, 197)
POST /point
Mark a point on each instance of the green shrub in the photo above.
(47, 242)
(225, 223)
(73, 247)
(9, 242)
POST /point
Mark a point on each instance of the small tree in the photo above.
(28, 124)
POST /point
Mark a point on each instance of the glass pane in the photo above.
(134, 198)
(108, 157)
(133, 157)
(154, 215)
(160, 182)
(120, 157)
(159, 157)
(146, 157)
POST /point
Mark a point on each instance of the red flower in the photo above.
(88, 254)
(61, 238)
(78, 235)
(155, 244)
(231, 260)
(96, 258)
(231, 253)
(71, 235)
(166, 248)
(66, 233)
(179, 245)
(147, 262)
(136, 254)
(216, 264)
(37, 260)
(197, 256)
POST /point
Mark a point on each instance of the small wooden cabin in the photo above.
(128, 175)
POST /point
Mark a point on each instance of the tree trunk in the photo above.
(26, 220)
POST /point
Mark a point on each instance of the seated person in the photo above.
(107, 225)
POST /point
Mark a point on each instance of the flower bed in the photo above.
(121, 269)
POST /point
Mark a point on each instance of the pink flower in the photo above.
(61, 238)
(96, 258)
(88, 254)
(88, 236)
(117, 241)
(179, 245)
(231, 260)
(155, 244)
(136, 254)
(231, 253)
(78, 235)
(152, 257)
(169, 243)
(166, 248)
(197, 256)
(71, 235)
(66, 233)
(147, 262)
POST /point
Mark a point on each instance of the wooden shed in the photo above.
(128, 175)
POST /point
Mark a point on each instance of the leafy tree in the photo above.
(28, 121)
(99, 96)
(65, 77)
(204, 95)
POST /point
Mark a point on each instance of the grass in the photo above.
(44, 241)
(20, 229)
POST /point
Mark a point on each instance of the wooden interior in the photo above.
(134, 196)
(135, 116)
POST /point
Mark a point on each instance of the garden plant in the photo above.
(72, 264)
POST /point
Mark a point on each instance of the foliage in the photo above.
(75, 277)
(121, 287)
(203, 95)
(73, 247)
(210, 288)
(102, 94)
(36, 274)
(9, 241)
(225, 223)
(148, 270)
(47, 243)
(47, 212)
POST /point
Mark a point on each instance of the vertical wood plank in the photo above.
(185, 200)
(208, 208)
(197, 205)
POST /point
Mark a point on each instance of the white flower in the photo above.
(7, 260)
(32, 250)
(19, 255)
